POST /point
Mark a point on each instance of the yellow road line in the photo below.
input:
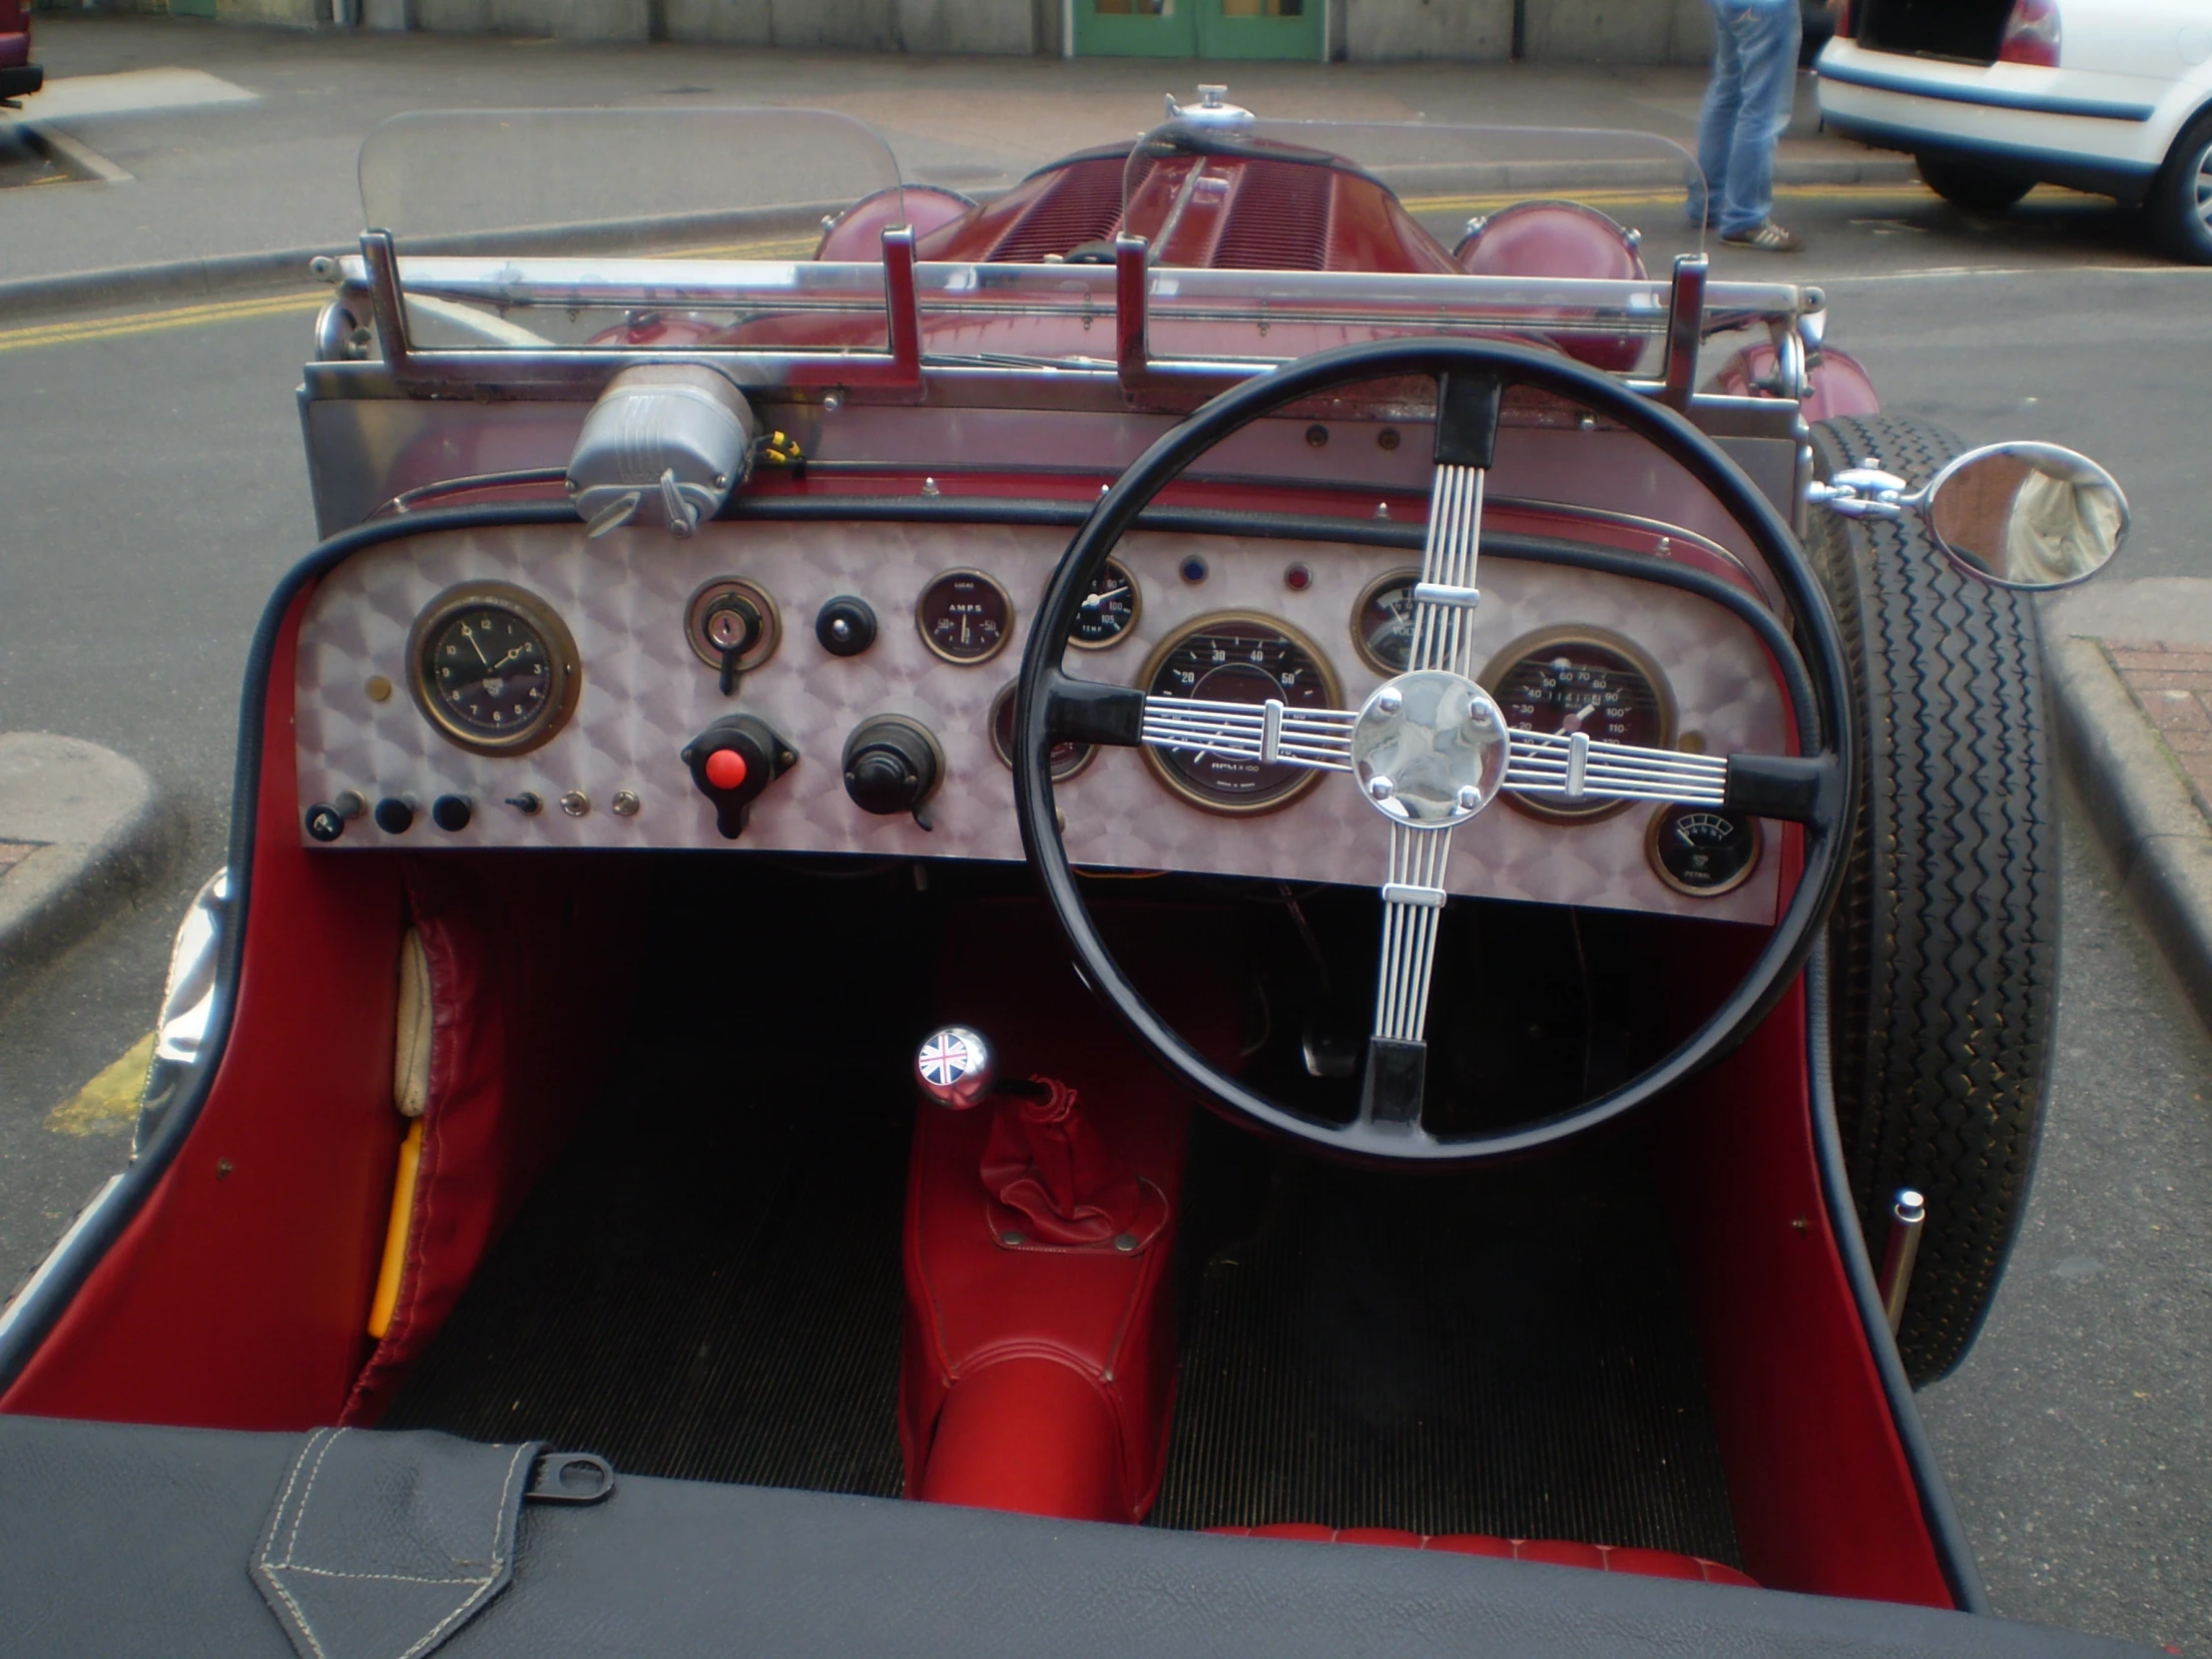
(110, 1102)
(148, 322)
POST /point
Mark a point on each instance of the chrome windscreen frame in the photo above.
(1159, 330)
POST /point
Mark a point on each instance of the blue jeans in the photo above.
(1747, 107)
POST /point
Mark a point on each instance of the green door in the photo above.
(1259, 29)
(1199, 28)
(1136, 27)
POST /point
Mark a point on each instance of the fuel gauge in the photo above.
(965, 617)
(1702, 850)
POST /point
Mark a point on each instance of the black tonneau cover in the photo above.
(118, 1539)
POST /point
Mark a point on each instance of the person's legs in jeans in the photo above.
(1765, 48)
(1716, 128)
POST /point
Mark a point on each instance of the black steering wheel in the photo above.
(1429, 749)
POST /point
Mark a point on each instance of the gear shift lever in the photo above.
(957, 1069)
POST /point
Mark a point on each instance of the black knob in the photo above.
(394, 816)
(892, 764)
(845, 626)
(324, 821)
(731, 761)
(450, 812)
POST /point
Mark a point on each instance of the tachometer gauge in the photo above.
(1232, 657)
(1580, 680)
(1382, 621)
(1108, 611)
(1703, 851)
(493, 668)
(964, 616)
(1068, 759)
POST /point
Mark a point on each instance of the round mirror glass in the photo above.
(2028, 515)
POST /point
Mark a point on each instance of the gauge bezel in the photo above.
(565, 665)
(1005, 695)
(1667, 877)
(1136, 611)
(695, 622)
(1388, 579)
(1182, 786)
(1544, 638)
(1005, 634)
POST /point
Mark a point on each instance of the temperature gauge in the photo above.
(1108, 611)
(1703, 852)
(965, 617)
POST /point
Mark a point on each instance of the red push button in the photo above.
(726, 769)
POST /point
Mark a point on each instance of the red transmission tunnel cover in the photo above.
(1555, 1553)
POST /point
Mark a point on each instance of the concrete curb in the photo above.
(228, 275)
(219, 277)
(2141, 803)
(100, 832)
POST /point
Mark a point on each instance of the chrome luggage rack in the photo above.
(1152, 309)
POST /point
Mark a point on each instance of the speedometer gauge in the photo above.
(1234, 658)
(1567, 680)
(492, 667)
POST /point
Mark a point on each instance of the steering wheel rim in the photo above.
(1825, 732)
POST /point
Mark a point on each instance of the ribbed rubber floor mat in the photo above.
(1510, 1354)
(697, 1290)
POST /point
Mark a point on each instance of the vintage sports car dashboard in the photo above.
(529, 688)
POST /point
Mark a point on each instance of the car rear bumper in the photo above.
(2129, 182)
(2104, 133)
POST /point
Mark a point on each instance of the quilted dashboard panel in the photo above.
(644, 695)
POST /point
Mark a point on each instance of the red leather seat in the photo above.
(1556, 1552)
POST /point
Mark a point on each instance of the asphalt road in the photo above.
(153, 491)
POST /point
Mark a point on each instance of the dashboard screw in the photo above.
(1470, 798)
(1380, 788)
(1389, 702)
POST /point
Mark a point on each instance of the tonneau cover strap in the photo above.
(382, 1545)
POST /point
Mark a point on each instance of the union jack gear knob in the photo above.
(955, 1067)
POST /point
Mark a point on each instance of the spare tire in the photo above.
(1945, 940)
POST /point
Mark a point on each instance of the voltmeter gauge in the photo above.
(1382, 621)
(1232, 657)
(493, 668)
(1703, 851)
(1108, 611)
(1567, 680)
(965, 617)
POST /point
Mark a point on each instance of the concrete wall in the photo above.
(1618, 31)
(1380, 30)
(1369, 31)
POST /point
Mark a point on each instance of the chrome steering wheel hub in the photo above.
(1429, 749)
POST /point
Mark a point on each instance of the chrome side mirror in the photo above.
(188, 1004)
(2030, 516)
